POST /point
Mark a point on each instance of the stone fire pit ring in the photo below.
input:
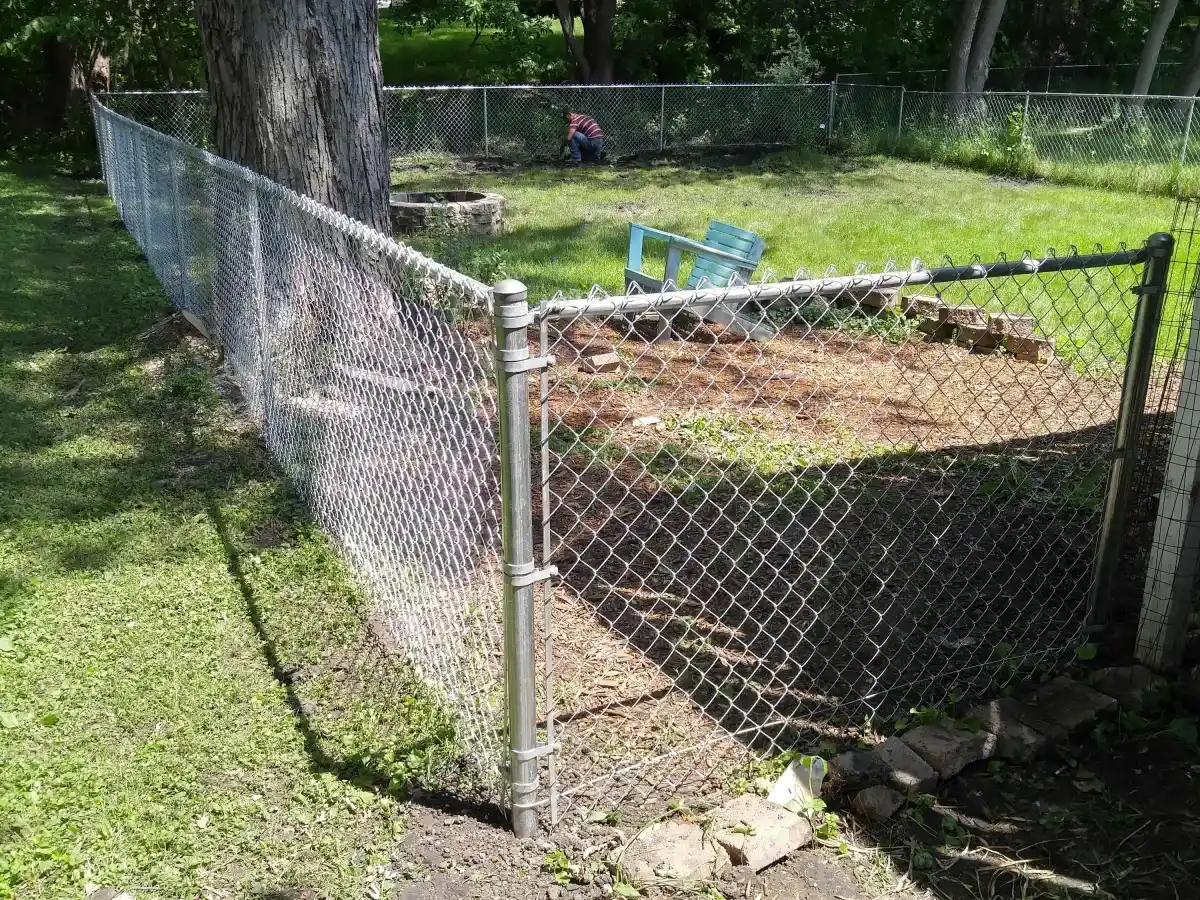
(473, 211)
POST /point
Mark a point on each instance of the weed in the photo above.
(558, 866)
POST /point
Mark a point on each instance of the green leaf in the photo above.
(1184, 728)
(624, 889)
(1086, 652)
(49, 719)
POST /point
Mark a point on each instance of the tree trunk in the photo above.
(566, 19)
(1189, 78)
(598, 18)
(960, 50)
(981, 45)
(1154, 41)
(298, 96)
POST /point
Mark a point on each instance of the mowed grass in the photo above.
(568, 229)
(187, 699)
(451, 54)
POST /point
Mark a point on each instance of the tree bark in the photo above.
(1154, 41)
(598, 18)
(297, 93)
(1189, 78)
(981, 45)
(960, 50)
(566, 19)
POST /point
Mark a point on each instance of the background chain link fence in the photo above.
(368, 368)
(890, 499)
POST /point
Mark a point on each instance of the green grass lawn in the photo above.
(568, 229)
(187, 700)
(450, 54)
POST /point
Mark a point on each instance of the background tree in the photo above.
(298, 96)
(981, 45)
(1148, 62)
(960, 46)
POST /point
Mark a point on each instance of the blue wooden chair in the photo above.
(728, 255)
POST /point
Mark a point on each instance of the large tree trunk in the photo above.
(981, 45)
(960, 50)
(298, 96)
(1189, 78)
(566, 19)
(1154, 41)
(598, 18)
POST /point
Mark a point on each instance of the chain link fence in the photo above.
(872, 493)
(858, 495)
(368, 368)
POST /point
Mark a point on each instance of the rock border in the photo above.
(482, 213)
(1010, 729)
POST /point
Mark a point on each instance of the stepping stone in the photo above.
(1069, 704)
(877, 803)
(1009, 720)
(756, 832)
(907, 772)
(1128, 685)
(674, 850)
(948, 749)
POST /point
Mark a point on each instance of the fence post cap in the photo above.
(509, 289)
(1160, 240)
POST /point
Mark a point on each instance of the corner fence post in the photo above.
(513, 362)
(1151, 297)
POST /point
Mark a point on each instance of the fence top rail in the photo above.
(832, 287)
(602, 87)
(163, 93)
(1092, 96)
(377, 241)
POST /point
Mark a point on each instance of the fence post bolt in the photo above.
(485, 122)
(662, 119)
(1151, 296)
(511, 312)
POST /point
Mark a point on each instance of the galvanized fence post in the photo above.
(485, 122)
(662, 119)
(832, 110)
(258, 286)
(1151, 296)
(177, 205)
(1187, 133)
(900, 117)
(513, 362)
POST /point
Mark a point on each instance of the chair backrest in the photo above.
(730, 239)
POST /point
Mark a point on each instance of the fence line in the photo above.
(867, 493)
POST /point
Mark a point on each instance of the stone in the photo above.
(1128, 685)
(1012, 324)
(948, 749)
(963, 315)
(907, 772)
(479, 213)
(674, 850)
(937, 330)
(877, 803)
(859, 768)
(108, 893)
(1029, 349)
(1008, 720)
(646, 421)
(1069, 704)
(977, 338)
(877, 299)
(756, 832)
(601, 363)
(922, 305)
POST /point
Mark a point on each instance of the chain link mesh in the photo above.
(887, 497)
(368, 368)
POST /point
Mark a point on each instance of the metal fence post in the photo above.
(662, 119)
(485, 122)
(1187, 133)
(143, 178)
(177, 204)
(258, 287)
(832, 109)
(1151, 296)
(513, 361)
(900, 118)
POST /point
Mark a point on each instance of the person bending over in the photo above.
(584, 137)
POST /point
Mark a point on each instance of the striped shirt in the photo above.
(586, 125)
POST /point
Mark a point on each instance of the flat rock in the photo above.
(858, 768)
(907, 772)
(877, 803)
(948, 749)
(1008, 720)
(600, 363)
(756, 832)
(1069, 704)
(674, 850)
(1128, 685)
